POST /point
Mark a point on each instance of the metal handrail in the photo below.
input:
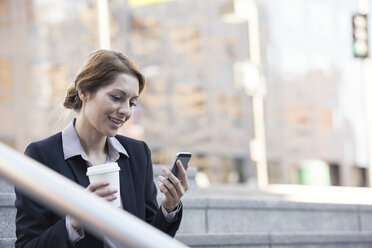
(67, 197)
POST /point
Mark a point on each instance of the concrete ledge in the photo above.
(7, 243)
(213, 240)
(233, 203)
(211, 215)
(7, 199)
(7, 216)
(5, 187)
(322, 238)
(313, 240)
(346, 240)
(7, 222)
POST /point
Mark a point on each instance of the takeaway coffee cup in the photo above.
(106, 172)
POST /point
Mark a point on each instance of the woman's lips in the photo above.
(116, 122)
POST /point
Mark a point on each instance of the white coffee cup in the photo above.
(106, 172)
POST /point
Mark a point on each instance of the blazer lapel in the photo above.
(79, 168)
(127, 191)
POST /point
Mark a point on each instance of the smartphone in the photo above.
(184, 157)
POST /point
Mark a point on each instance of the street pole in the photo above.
(252, 79)
(103, 24)
(258, 96)
(368, 111)
(367, 88)
(259, 134)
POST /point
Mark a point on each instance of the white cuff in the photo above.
(73, 235)
(170, 216)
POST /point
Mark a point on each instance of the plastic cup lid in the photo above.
(102, 168)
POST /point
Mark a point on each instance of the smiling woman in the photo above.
(100, 69)
(106, 110)
(104, 95)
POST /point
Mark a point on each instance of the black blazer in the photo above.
(37, 226)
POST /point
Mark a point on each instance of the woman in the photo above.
(104, 95)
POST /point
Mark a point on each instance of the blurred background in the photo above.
(260, 91)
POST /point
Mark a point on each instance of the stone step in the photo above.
(207, 215)
(305, 240)
(283, 240)
(7, 242)
(313, 240)
(225, 221)
(7, 215)
(221, 215)
(5, 187)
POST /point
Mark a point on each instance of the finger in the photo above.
(183, 167)
(96, 185)
(168, 200)
(175, 181)
(172, 178)
(164, 190)
(169, 186)
(104, 192)
(111, 198)
(183, 175)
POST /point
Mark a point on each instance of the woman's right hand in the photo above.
(102, 190)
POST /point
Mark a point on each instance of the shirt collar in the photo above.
(115, 148)
(72, 147)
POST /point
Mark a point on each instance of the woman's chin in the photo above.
(111, 132)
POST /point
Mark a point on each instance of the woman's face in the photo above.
(111, 106)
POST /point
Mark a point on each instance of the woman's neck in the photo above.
(93, 142)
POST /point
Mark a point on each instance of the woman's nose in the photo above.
(125, 109)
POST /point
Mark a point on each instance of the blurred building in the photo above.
(314, 103)
(184, 49)
(314, 108)
(190, 102)
(42, 45)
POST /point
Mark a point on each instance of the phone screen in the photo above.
(184, 157)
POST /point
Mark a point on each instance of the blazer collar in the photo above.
(78, 168)
(72, 147)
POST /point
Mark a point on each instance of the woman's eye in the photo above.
(132, 104)
(115, 98)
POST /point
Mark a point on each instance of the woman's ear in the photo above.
(83, 95)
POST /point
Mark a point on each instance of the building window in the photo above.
(324, 118)
(5, 80)
(4, 8)
(297, 114)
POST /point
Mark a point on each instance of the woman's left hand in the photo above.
(172, 187)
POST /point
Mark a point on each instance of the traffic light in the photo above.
(360, 36)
